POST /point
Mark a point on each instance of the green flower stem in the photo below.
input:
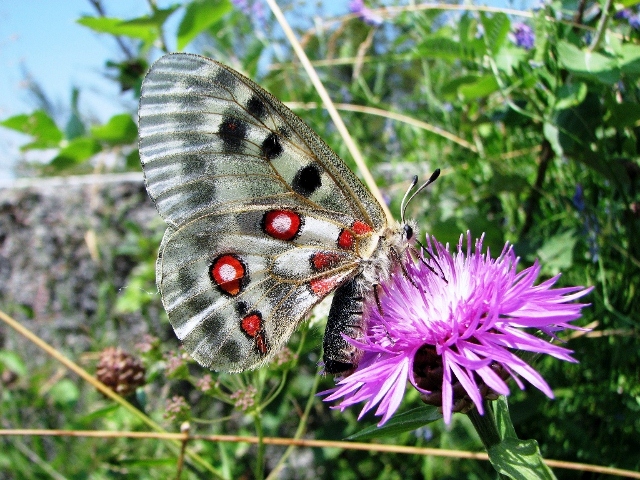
(485, 425)
(259, 471)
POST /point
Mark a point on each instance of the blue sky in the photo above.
(43, 38)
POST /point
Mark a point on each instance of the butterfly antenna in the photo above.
(403, 205)
(434, 176)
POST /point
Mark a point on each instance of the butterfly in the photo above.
(264, 219)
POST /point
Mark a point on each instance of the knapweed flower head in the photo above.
(523, 36)
(449, 325)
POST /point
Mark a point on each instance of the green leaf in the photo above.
(38, 125)
(77, 151)
(133, 159)
(556, 254)
(119, 130)
(440, 47)
(116, 26)
(570, 95)
(503, 419)
(552, 134)
(496, 29)
(200, 15)
(629, 59)
(520, 460)
(509, 57)
(404, 422)
(588, 64)
(482, 87)
(64, 393)
(11, 361)
(626, 114)
(157, 19)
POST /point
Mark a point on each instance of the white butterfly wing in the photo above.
(264, 219)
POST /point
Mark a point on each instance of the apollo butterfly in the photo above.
(264, 219)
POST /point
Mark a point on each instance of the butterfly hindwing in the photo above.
(234, 293)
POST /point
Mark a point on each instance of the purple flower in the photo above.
(451, 333)
(634, 22)
(523, 36)
(365, 14)
(623, 14)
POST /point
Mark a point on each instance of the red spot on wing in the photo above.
(228, 273)
(251, 324)
(323, 286)
(261, 343)
(360, 228)
(346, 240)
(322, 261)
(281, 224)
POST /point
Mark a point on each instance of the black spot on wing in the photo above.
(307, 180)
(226, 79)
(233, 132)
(193, 165)
(256, 107)
(232, 351)
(271, 147)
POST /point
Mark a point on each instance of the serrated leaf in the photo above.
(520, 460)
(199, 15)
(590, 64)
(38, 125)
(404, 422)
(117, 26)
(119, 130)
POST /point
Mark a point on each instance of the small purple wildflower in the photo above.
(634, 22)
(176, 408)
(623, 14)
(244, 398)
(453, 338)
(365, 13)
(523, 36)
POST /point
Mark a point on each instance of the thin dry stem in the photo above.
(393, 116)
(369, 447)
(333, 113)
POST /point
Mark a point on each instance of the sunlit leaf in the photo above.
(404, 422)
(119, 130)
(39, 125)
(199, 16)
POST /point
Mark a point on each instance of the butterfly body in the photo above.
(264, 220)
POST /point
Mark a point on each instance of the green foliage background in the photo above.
(545, 155)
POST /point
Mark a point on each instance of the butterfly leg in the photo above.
(377, 297)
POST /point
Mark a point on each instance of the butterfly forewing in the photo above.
(264, 219)
(211, 139)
